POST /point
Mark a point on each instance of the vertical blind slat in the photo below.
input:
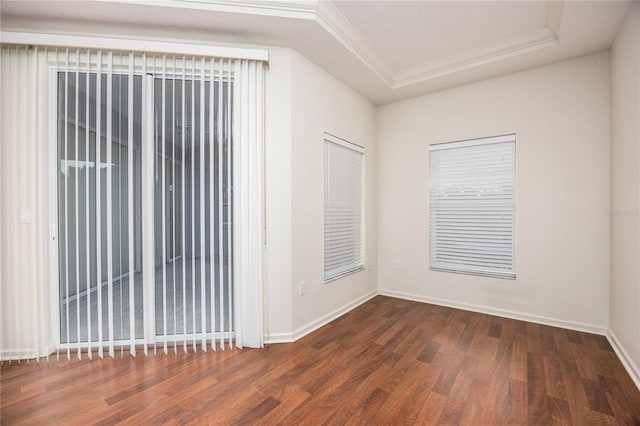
(14, 91)
(212, 210)
(221, 189)
(66, 199)
(220, 201)
(66, 196)
(184, 211)
(98, 168)
(143, 131)
(193, 206)
(163, 159)
(130, 195)
(20, 107)
(229, 212)
(173, 200)
(87, 206)
(109, 142)
(77, 230)
(203, 299)
(155, 162)
(120, 237)
(38, 125)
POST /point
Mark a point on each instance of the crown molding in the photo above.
(519, 45)
(295, 9)
(346, 34)
(475, 57)
(325, 14)
(334, 22)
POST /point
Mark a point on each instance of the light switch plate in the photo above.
(25, 215)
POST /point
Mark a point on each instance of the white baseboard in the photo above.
(632, 368)
(252, 344)
(498, 312)
(279, 338)
(314, 325)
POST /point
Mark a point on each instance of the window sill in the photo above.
(344, 274)
(477, 273)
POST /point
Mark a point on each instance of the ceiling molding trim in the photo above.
(325, 14)
(339, 27)
(554, 16)
(295, 9)
(346, 34)
(539, 39)
(472, 58)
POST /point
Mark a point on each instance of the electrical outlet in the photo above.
(302, 288)
(398, 264)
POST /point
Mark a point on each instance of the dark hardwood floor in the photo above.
(389, 361)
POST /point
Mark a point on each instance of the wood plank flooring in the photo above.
(389, 361)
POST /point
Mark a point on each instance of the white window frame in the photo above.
(358, 265)
(457, 258)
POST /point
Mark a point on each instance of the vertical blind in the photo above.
(473, 206)
(343, 207)
(149, 187)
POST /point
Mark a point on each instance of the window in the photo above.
(472, 206)
(343, 207)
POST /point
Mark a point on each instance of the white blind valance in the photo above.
(106, 43)
(472, 206)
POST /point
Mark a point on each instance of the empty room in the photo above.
(319, 212)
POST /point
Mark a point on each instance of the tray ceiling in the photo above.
(385, 50)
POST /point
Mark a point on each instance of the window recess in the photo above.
(473, 206)
(343, 208)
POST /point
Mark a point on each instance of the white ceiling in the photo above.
(386, 50)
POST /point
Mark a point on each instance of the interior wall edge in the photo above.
(320, 322)
(504, 313)
(623, 356)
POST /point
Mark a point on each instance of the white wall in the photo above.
(278, 253)
(560, 114)
(320, 103)
(625, 191)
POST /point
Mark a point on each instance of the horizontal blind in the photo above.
(343, 208)
(472, 206)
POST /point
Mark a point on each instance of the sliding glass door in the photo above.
(93, 193)
(120, 136)
(192, 205)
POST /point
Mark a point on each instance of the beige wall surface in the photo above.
(560, 114)
(320, 103)
(625, 189)
(278, 253)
